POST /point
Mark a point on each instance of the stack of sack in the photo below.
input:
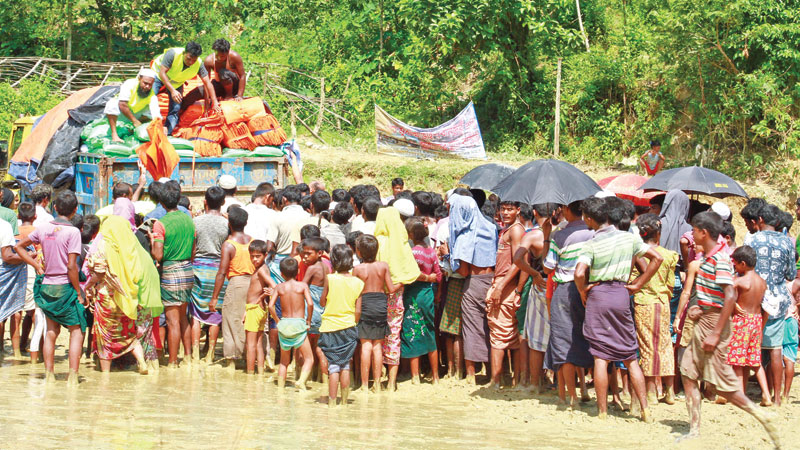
(245, 128)
(96, 138)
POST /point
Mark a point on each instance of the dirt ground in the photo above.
(205, 406)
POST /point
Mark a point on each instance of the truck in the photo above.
(95, 176)
(20, 130)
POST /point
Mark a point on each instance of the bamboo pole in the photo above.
(557, 133)
(321, 106)
(27, 74)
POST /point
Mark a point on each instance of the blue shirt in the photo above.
(160, 212)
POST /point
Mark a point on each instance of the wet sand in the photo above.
(202, 406)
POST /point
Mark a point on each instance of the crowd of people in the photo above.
(640, 302)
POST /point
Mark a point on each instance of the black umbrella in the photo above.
(695, 180)
(486, 176)
(546, 181)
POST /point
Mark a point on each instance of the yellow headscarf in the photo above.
(133, 267)
(393, 246)
(123, 262)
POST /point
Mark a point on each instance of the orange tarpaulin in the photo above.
(35, 144)
(158, 155)
(243, 110)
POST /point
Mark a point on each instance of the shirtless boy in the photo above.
(748, 319)
(255, 313)
(372, 326)
(296, 304)
(311, 252)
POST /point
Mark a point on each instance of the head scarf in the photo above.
(393, 246)
(127, 262)
(473, 238)
(124, 208)
(674, 213)
(8, 198)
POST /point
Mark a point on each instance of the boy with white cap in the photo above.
(228, 184)
(135, 100)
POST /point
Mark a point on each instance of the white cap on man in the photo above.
(147, 72)
(404, 206)
(227, 182)
(721, 209)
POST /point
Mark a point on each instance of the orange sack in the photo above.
(242, 110)
(237, 135)
(158, 155)
(206, 135)
(266, 130)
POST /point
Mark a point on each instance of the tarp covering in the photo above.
(51, 147)
(29, 156)
(62, 150)
(459, 137)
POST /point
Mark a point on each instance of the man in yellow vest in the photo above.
(135, 100)
(175, 67)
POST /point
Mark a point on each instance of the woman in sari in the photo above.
(394, 250)
(117, 271)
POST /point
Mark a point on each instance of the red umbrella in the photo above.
(627, 186)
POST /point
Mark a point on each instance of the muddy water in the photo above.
(202, 406)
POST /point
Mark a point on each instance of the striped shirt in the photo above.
(565, 246)
(713, 275)
(610, 253)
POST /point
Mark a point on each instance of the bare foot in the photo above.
(768, 420)
(331, 402)
(72, 380)
(669, 396)
(765, 401)
(50, 377)
(470, 379)
(692, 434)
(647, 416)
(652, 398)
(721, 400)
(116, 139)
(602, 415)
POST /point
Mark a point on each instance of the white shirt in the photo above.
(287, 227)
(127, 89)
(42, 216)
(366, 228)
(260, 222)
(229, 201)
(6, 235)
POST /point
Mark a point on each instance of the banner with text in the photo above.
(459, 137)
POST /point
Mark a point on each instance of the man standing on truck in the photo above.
(224, 58)
(175, 67)
(136, 99)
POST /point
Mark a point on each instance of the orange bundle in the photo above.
(206, 135)
(237, 135)
(266, 130)
(192, 113)
(242, 110)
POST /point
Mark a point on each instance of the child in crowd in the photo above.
(651, 314)
(27, 215)
(419, 327)
(296, 312)
(705, 358)
(338, 333)
(312, 251)
(372, 326)
(255, 315)
(350, 239)
(261, 282)
(747, 322)
(237, 265)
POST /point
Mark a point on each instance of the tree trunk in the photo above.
(580, 23)
(69, 42)
(557, 132)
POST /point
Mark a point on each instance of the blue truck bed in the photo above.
(95, 176)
